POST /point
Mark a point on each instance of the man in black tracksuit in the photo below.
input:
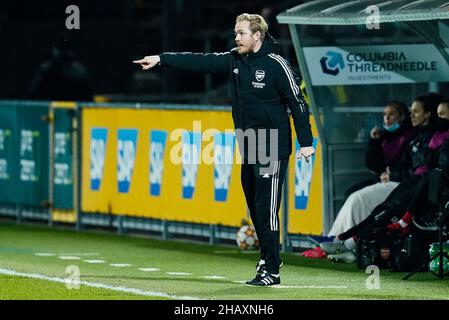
(264, 92)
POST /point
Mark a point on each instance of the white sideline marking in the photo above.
(69, 258)
(97, 285)
(236, 251)
(179, 273)
(278, 286)
(214, 277)
(149, 269)
(226, 251)
(120, 265)
(79, 254)
(94, 261)
(44, 254)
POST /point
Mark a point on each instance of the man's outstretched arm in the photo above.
(293, 98)
(148, 62)
(200, 62)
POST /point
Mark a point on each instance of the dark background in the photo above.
(113, 33)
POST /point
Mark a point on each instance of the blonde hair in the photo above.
(256, 23)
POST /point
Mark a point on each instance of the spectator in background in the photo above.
(420, 205)
(385, 159)
(386, 145)
(423, 116)
(62, 77)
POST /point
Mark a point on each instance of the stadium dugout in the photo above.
(354, 57)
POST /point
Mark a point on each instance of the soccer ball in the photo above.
(247, 238)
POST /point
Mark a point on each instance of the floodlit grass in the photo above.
(226, 266)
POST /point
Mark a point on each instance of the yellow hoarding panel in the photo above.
(166, 197)
(60, 215)
(165, 164)
(306, 191)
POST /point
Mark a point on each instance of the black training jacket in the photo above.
(387, 150)
(416, 155)
(264, 91)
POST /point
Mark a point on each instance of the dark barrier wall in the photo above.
(24, 154)
(63, 158)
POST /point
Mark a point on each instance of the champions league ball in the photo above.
(247, 238)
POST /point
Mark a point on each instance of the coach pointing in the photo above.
(264, 93)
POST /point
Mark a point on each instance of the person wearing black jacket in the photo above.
(385, 158)
(386, 145)
(423, 116)
(264, 93)
(421, 205)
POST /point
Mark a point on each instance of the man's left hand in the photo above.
(305, 152)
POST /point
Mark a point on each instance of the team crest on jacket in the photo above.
(385, 253)
(260, 74)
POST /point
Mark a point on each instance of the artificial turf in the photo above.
(211, 272)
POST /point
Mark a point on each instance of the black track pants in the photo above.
(262, 185)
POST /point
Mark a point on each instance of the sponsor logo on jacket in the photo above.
(259, 75)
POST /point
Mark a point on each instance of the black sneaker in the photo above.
(261, 266)
(425, 223)
(265, 279)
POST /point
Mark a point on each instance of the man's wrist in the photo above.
(305, 145)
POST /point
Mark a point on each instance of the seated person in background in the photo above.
(423, 117)
(385, 158)
(386, 144)
(420, 205)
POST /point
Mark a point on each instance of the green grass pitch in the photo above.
(175, 270)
